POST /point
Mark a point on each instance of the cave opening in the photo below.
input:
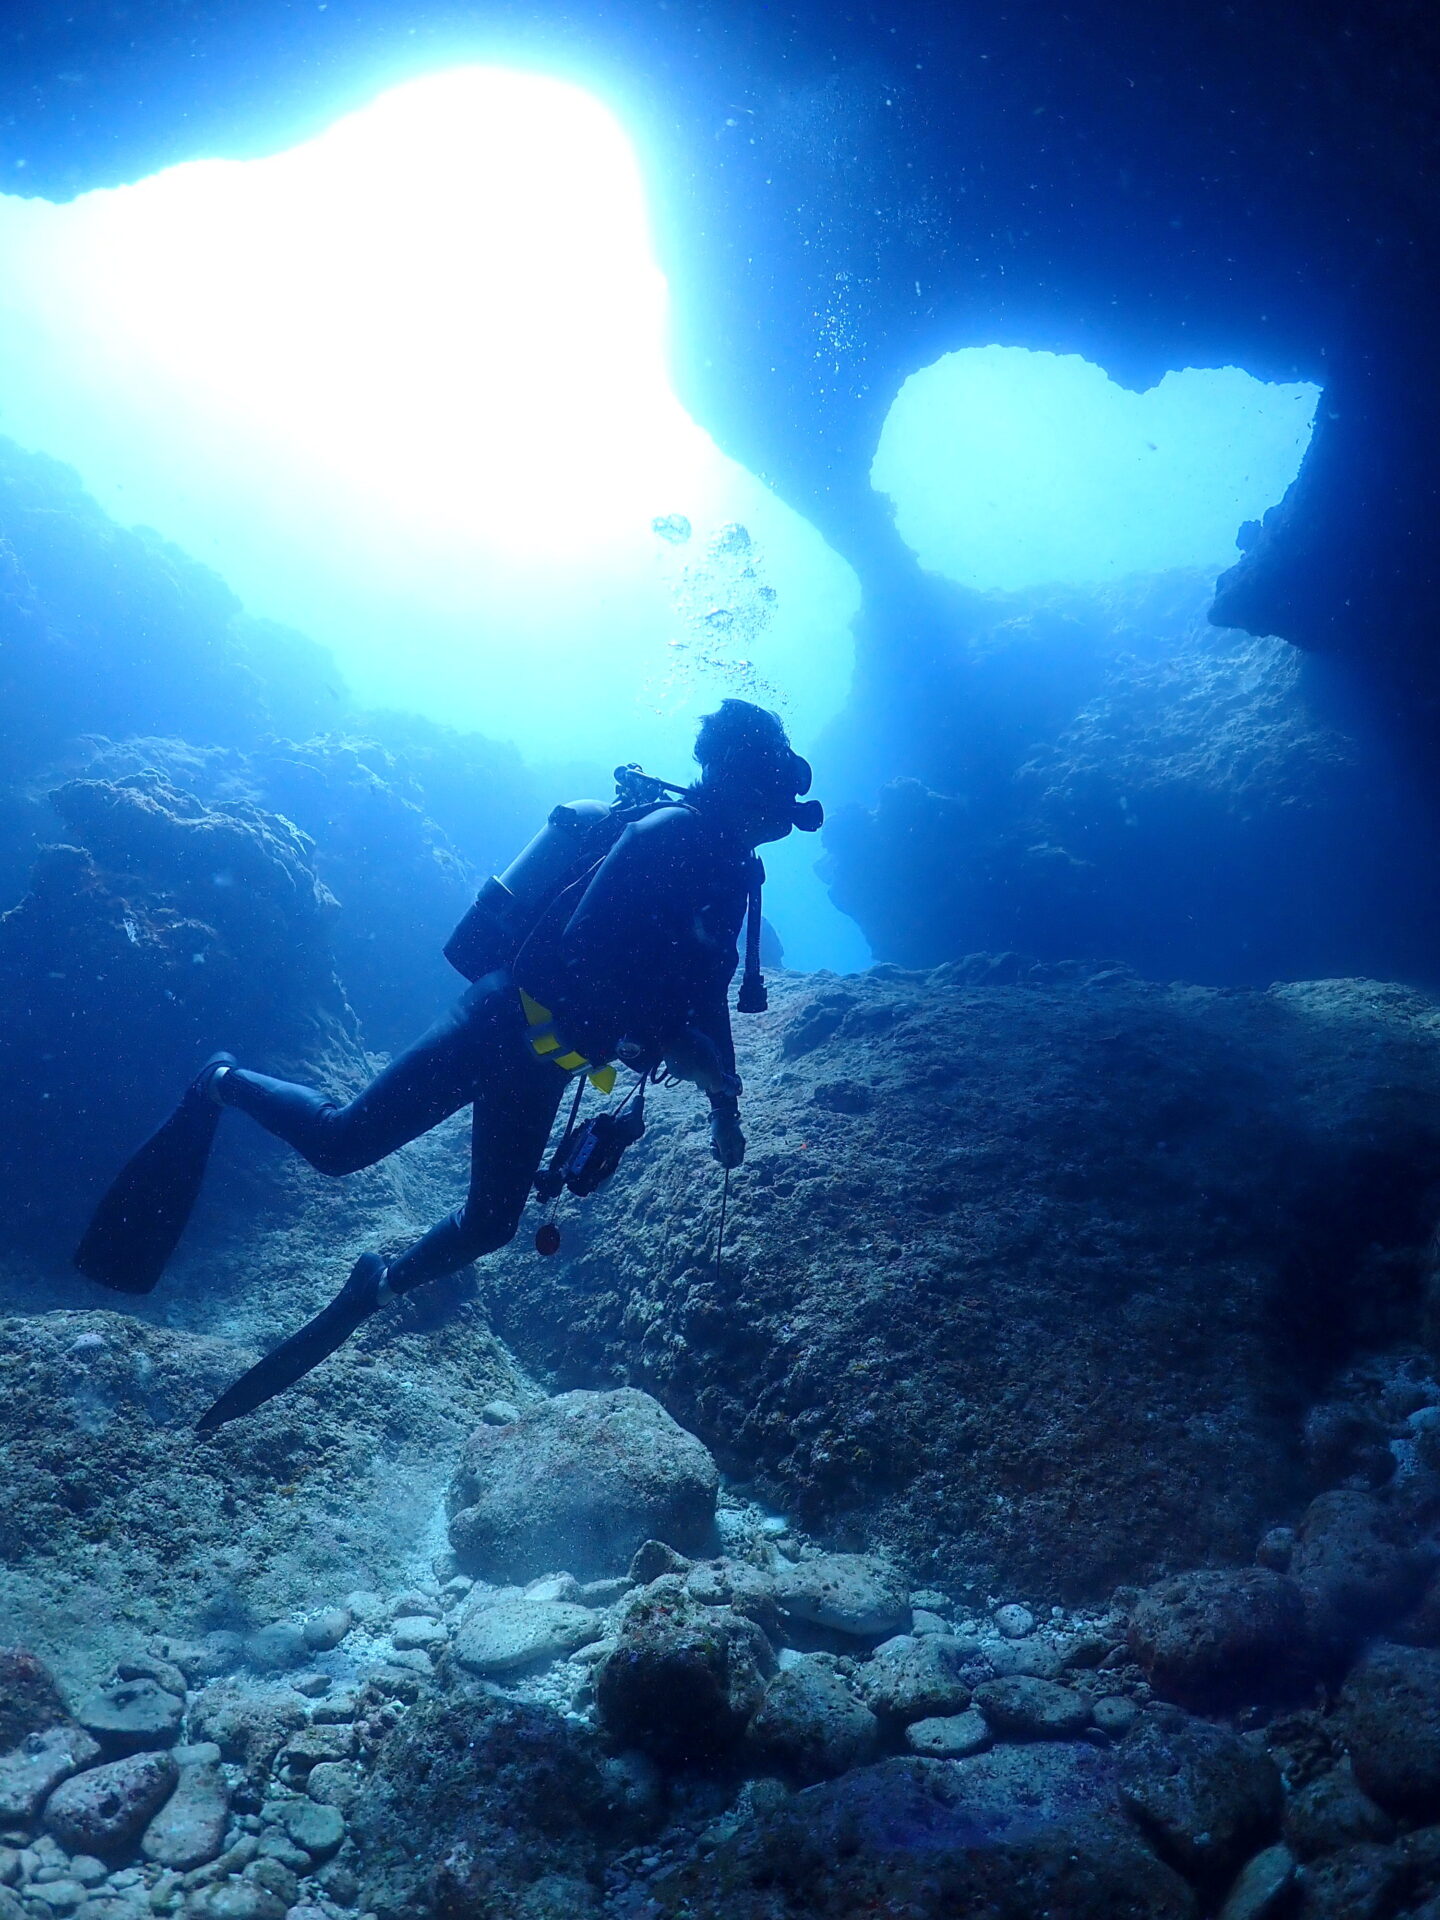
(406, 388)
(1010, 468)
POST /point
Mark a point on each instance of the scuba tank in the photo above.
(510, 903)
(576, 837)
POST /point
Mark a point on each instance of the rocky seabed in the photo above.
(705, 1713)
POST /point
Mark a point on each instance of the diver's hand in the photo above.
(727, 1142)
(693, 1056)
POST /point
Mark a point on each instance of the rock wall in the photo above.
(1106, 773)
(164, 930)
(1034, 1281)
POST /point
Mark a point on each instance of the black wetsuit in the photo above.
(647, 950)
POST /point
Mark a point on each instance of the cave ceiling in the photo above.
(844, 193)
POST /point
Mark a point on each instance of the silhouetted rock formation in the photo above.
(1105, 773)
(166, 930)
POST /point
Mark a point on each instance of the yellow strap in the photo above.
(544, 1039)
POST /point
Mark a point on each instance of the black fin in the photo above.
(138, 1224)
(295, 1357)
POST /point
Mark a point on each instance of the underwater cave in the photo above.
(963, 1435)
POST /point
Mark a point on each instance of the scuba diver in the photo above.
(612, 939)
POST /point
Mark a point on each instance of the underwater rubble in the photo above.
(917, 1560)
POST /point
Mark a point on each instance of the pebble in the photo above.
(311, 1685)
(951, 1736)
(1014, 1621)
(555, 1586)
(315, 1743)
(1031, 1709)
(209, 1658)
(336, 1708)
(414, 1659)
(234, 1900)
(1115, 1714)
(499, 1413)
(275, 1846)
(275, 1877)
(923, 1622)
(1276, 1549)
(9, 1866)
(419, 1631)
(318, 1829)
(60, 1896)
(604, 1593)
(88, 1870)
(1262, 1884)
(415, 1606)
(339, 1882)
(334, 1783)
(152, 1666)
(363, 1605)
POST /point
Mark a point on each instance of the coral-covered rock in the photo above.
(1205, 1797)
(916, 1334)
(811, 1722)
(851, 1593)
(1352, 1554)
(915, 1679)
(1334, 1811)
(683, 1680)
(164, 928)
(29, 1699)
(475, 1800)
(106, 1809)
(1013, 1833)
(580, 1482)
(1391, 1713)
(1023, 1707)
(1215, 1638)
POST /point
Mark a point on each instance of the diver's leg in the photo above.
(421, 1087)
(514, 1112)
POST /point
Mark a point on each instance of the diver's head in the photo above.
(749, 771)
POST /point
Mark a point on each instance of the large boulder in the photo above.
(1390, 1707)
(1219, 1637)
(1353, 1556)
(1011, 1834)
(580, 1482)
(1036, 1318)
(811, 1723)
(475, 1800)
(1207, 1799)
(162, 929)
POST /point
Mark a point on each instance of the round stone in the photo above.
(1014, 1621)
(318, 1829)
